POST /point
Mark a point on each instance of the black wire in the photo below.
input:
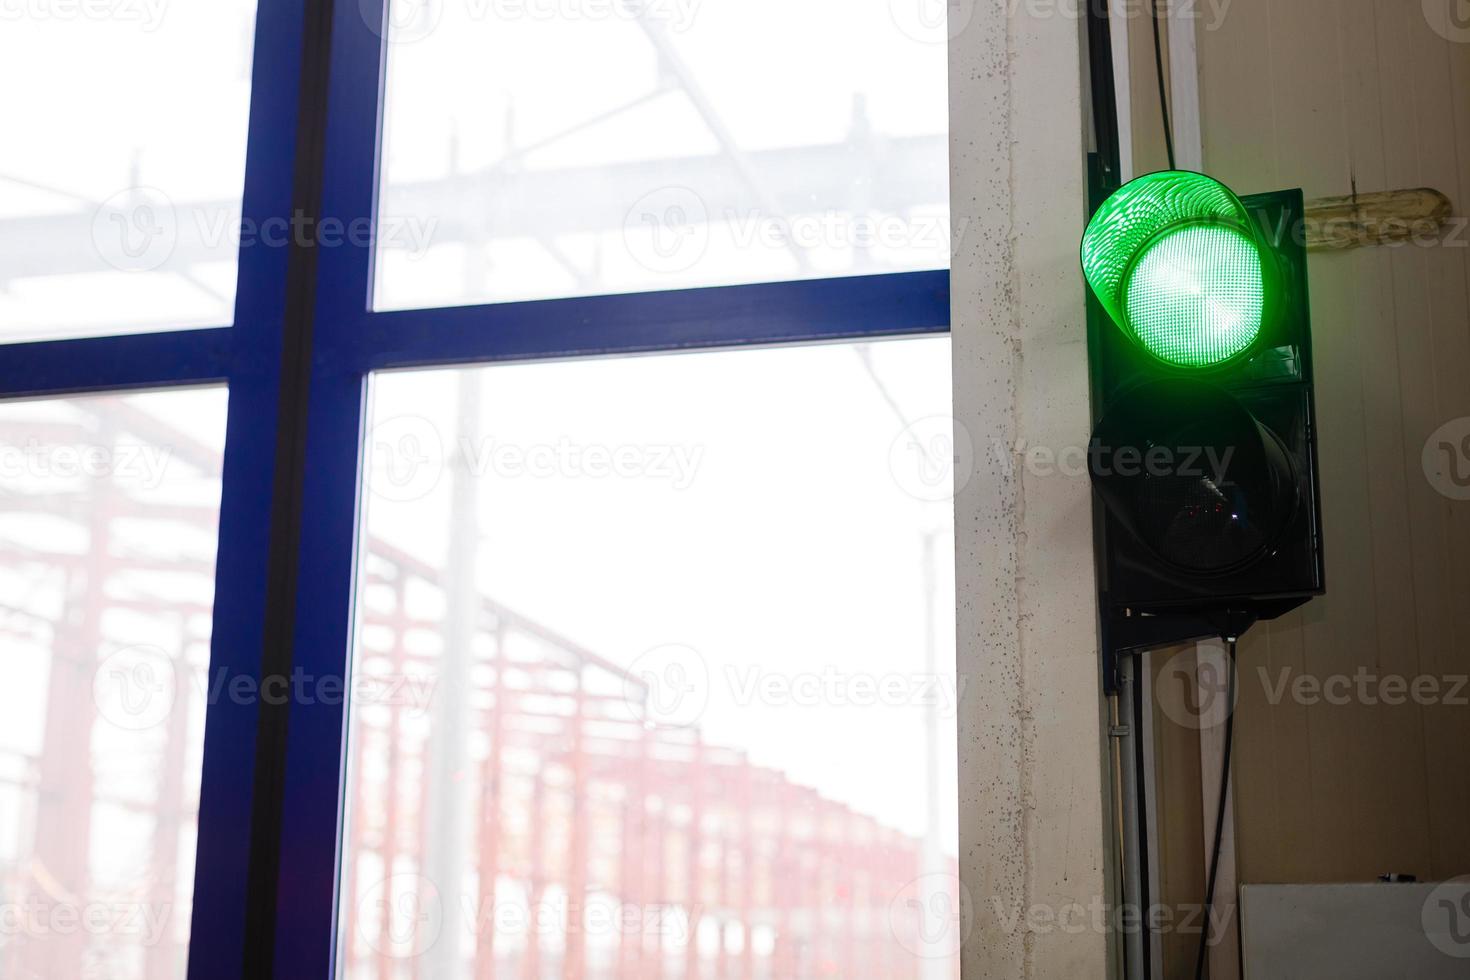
(1159, 72)
(1204, 936)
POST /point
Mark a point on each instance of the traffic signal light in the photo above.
(1204, 459)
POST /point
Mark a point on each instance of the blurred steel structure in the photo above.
(588, 199)
(594, 845)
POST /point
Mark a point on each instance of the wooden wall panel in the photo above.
(1332, 96)
(1181, 871)
(1335, 96)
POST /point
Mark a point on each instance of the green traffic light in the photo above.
(1172, 259)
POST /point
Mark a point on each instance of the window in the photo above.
(469, 548)
(108, 514)
(542, 148)
(120, 186)
(640, 684)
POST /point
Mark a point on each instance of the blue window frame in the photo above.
(348, 342)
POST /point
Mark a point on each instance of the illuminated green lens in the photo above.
(1171, 259)
(1194, 298)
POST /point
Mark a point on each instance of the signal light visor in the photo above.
(1172, 259)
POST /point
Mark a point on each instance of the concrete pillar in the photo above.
(1031, 725)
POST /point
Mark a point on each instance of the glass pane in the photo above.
(122, 164)
(108, 514)
(651, 672)
(538, 148)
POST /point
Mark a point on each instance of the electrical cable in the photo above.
(1103, 90)
(1204, 936)
(1159, 72)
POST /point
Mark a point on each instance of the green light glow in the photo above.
(1171, 258)
(1194, 297)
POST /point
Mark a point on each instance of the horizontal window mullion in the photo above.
(807, 311)
(148, 360)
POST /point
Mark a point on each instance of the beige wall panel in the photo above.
(1177, 778)
(1330, 95)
